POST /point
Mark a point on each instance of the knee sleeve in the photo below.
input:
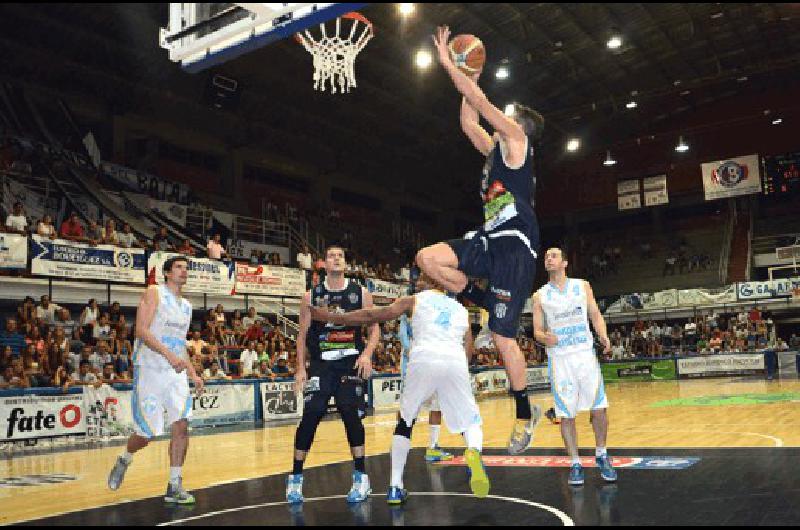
(403, 429)
(353, 427)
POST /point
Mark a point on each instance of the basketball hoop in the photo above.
(335, 57)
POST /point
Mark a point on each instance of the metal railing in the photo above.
(288, 327)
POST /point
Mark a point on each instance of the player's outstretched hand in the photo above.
(178, 364)
(300, 379)
(199, 384)
(606, 344)
(440, 40)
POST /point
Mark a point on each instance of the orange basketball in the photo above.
(468, 53)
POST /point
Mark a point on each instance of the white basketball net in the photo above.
(335, 57)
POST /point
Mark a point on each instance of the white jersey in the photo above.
(440, 324)
(566, 315)
(170, 326)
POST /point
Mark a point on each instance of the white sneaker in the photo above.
(361, 488)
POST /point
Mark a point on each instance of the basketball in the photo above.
(468, 53)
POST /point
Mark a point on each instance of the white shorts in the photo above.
(432, 404)
(158, 393)
(450, 383)
(577, 383)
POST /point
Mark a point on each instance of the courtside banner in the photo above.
(724, 364)
(223, 405)
(538, 378)
(27, 417)
(769, 289)
(280, 401)
(386, 391)
(13, 251)
(270, 281)
(386, 289)
(205, 275)
(731, 177)
(108, 412)
(638, 370)
(80, 261)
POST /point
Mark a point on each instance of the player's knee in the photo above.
(180, 429)
(306, 430)
(403, 429)
(353, 426)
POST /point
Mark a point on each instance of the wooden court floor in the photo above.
(709, 413)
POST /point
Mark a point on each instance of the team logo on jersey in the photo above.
(500, 310)
(566, 389)
(150, 405)
(353, 298)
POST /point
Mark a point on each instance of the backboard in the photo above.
(200, 36)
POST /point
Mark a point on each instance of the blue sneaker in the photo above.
(396, 496)
(575, 475)
(607, 471)
(294, 489)
(361, 488)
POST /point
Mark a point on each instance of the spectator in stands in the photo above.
(161, 241)
(84, 376)
(14, 376)
(47, 311)
(215, 372)
(102, 329)
(186, 248)
(120, 357)
(251, 318)
(127, 239)
(35, 340)
(13, 338)
(27, 311)
(71, 229)
(794, 342)
(94, 234)
(264, 372)
(65, 323)
(108, 376)
(109, 233)
(219, 314)
(669, 265)
(215, 248)
(114, 313)
(304, 259)
(254, 258)
(17, 223)
(281, 368)
(237, 327)
(781, 345)
(6, 356)
(248, 360)
(45, 228)
(197, 346)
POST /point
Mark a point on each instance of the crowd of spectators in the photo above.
(714, 332)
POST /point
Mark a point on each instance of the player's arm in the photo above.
(365, 316)
(469, 344)
(510, 130)
(145, 314)
(300, 375)
(374, 332)
(541, 334)
(598, 322)
(471, 125)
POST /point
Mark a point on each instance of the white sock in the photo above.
(175, 474)
(576, 460)
(435, 430)
(474, 437)
(127, 457)
(400, 447)
(600, 451)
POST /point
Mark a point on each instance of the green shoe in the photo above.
(437, 455)
(478, 479)
(177, 495)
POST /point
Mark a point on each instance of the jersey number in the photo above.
(443, 320)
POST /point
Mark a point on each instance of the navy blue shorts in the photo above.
(510, 266)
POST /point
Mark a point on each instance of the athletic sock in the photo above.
(359, 464)
(474, 437)
(297, 467)
(523, 404)
(600, 451)
(435, 430)
(127, 457)
(175, 474)
(400, 447)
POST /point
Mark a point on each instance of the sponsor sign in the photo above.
(205, 275)
(13, 251)
(270, 281)
(386, 391)
(724, 364)
(386, 289)
(538, 378)
(769, 289)
(731, 177)
(281, 401)
(693, 297)
(223, 405)
(629, 194)
(638, 370)
(80, 261)
(627, 462)
(30, 417)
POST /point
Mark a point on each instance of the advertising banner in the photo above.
(13, 251)
(280, 401)
(80, 261)
(386, 289)
(731, 177)
(724, 364)
(629, 195)
(205, 275)
(655, 190)
(28, 417)
(645, 370)
(270, 281)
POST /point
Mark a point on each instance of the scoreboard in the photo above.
(782, 174)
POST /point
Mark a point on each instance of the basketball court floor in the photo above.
(713, 451)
